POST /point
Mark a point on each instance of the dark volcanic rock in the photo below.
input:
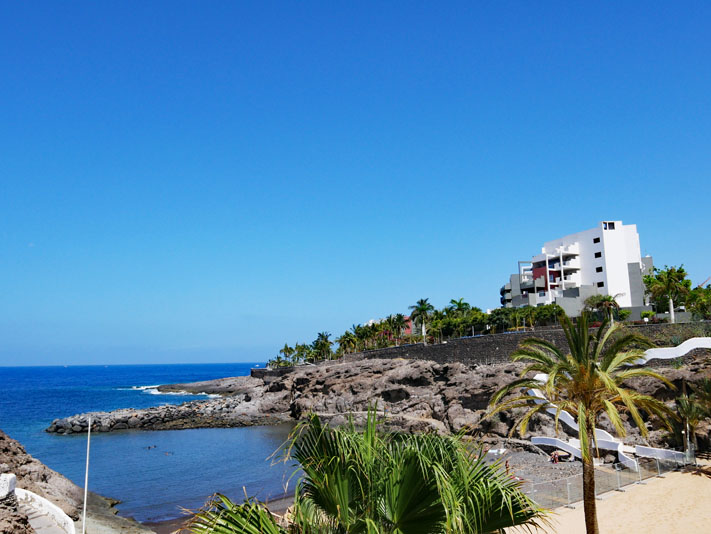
(12, 521)
(415, 395)
(34, 476)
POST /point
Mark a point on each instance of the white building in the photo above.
(604, 260)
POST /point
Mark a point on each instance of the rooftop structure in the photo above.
(604, 260)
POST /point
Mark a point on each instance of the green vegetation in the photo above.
(457, 319)
(374, 482)
(698, 302)
(691, 410)
(667, 286)
(606, 305)
(420, 313)
(648, 315)
(586, 382)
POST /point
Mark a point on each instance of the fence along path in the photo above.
(615, 477)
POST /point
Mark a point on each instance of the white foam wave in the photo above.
(153, 390)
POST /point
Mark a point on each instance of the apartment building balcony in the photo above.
(568, 265)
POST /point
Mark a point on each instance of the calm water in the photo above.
(152, 473)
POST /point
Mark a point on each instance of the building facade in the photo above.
(604, 260)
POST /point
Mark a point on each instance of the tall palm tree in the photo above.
(399, 324)
(372, 482)
(690, 413)
(347, 342)
(287, 351)
(458, 306)
(322, 346)
(529, 314)
(609, 304)
(587, 382)
(420, 313)
(605, 303)
(669, 283)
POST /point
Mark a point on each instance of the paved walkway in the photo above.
(42, 523)
(675, 504)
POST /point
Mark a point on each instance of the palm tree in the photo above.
(420, 313)
(360, 334)
(586, 382)
(399, 324)
(528, 313)
(372, 482)
(287, 351)
(458, 307)
(690, 413)
(702, 390)
(302, 352)
(670, 283)
(698, 302)
(606, 303)
(347, 342)
(609, 304)
(322, 346)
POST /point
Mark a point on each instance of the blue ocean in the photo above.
(156, 473)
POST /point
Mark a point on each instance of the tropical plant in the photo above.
(420, 315)
(528, 313)
(458, 307)
(501, 318)
(373, 482)
(648, 315)
(702, 390)
(587, 382)
(347, 342)
(698, 302)
(302, 352)
(399, 324)
(690, 413)
(668, 283)
(604, 303)
(547, 314)
(287, 351)
(321, 347)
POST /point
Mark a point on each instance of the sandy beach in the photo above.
(677, 503)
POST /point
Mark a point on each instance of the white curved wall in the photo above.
(43, 506)
(666, 353)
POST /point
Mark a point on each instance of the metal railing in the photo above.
(612, 477)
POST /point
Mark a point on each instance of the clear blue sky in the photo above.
(203, 181)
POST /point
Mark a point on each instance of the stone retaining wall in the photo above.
(497, 348)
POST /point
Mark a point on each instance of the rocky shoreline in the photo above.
(414, 395)
(36, 477)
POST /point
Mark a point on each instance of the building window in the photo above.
(608, 225)
(598, 254)
(552, 277)
(601, 284)
(596, 240)
(541, 293)
(598, 269)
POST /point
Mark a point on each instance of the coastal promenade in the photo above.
(675, 504)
